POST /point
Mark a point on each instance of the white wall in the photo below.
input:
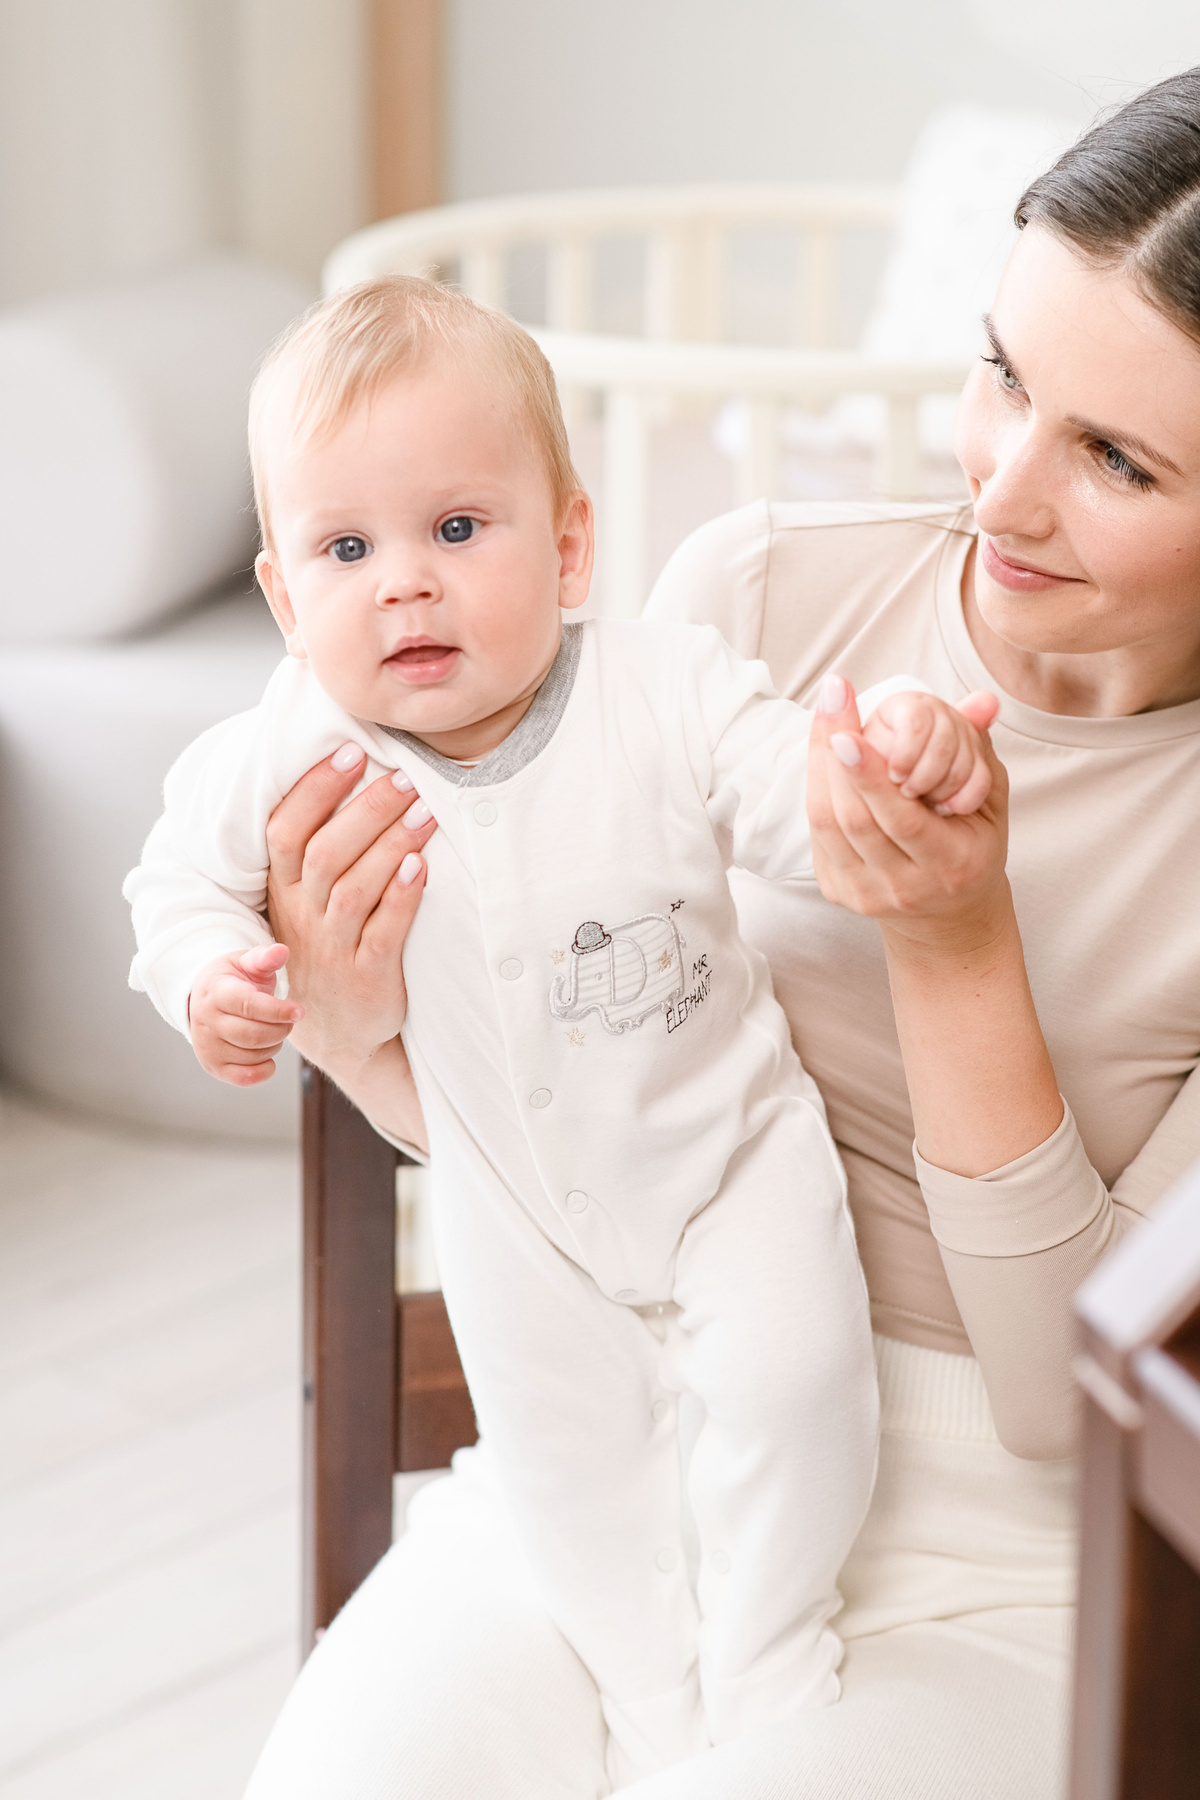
(554, 93)
(135, 131)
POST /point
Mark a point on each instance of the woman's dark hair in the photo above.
(1128, 195)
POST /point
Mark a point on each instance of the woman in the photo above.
(1046, 998)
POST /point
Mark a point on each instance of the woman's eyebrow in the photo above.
(1125, 440)
(1120, 440)
(993, 339)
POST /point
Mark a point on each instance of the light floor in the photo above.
(149, 1354)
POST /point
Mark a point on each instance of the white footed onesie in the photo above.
(635, 1194)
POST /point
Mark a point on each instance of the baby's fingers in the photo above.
(973, 792)
(262, 965)
(945, 760)
(249, 1034)
(904, 725)
(242, 1000)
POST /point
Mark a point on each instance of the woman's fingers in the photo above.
(306, 807)
(344, 841)
(387, 928)
(852, 785)
(837, 708)
(357, 893)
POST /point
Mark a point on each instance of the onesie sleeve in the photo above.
(200, 887)
(748, 747)
(1018, 1241)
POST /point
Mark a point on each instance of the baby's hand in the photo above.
(237, 1023)
(933, 750)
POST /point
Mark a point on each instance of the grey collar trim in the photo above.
(526, 740)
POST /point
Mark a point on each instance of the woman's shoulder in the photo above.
(808, 557)
(796, 583)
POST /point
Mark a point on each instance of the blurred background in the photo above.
(766, 232)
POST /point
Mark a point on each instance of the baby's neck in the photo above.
(471, 743)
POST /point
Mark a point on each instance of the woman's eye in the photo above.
(457, 530)
(348, 549)
(1121, 465)
(1004, 374)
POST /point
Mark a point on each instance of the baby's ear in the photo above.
(272, 584)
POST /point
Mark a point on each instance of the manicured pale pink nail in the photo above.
(347, 758)
(409, 869)
(401, 781)
(846, 749)
(832, 696)
(416, 816)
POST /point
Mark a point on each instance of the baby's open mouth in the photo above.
(423, 660)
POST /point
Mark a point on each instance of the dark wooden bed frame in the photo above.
(383, 1387)
(384, 1393)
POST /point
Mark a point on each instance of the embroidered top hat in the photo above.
(590, 937)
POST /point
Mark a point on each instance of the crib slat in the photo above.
(664, 269)
(569, 306)
(481, 271)
(683, 297)
(569, 284)
(756, 473)
(899, 469)
(626, 502)
(818, 267)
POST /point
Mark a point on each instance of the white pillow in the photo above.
(124, 486)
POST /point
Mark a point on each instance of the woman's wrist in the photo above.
(974, 930)
(380, 1083)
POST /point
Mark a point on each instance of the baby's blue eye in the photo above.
(457, 530)
(348, 549)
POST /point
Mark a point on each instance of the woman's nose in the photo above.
(1016, 487)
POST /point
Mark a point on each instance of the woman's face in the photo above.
(1079, 431)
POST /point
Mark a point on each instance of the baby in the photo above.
(636, 1196)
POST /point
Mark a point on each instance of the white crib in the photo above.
(683, 362)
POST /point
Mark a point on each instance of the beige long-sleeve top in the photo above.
(1104, 861)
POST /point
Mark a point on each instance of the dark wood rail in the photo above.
(383, 1387)
(1137, 1676)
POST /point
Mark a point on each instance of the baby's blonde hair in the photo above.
(345, 347)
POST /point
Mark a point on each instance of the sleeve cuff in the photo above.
(1041, 1200)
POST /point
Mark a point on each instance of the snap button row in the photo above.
(659, 1411)
(720, 1562)
(577, 1201)
(626, 1294)
(512, 968)
(666, 1560)
(540, 1097)
(485, 813)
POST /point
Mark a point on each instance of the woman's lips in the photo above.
(1011, 575)
(422, 664)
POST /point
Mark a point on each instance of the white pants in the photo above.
(765, 1323)
(444, 1678)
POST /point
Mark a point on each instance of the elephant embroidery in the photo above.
(624, 974)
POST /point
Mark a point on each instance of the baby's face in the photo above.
(418, 563)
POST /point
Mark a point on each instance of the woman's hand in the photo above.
(876, 852)
(342, 893)
(980, 1079)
